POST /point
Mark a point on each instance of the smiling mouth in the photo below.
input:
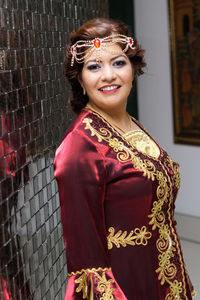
(110, 88)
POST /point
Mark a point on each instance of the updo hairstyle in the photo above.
(97, 28)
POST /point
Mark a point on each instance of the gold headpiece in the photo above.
(98, 44)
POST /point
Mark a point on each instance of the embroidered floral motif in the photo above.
(176, 290)
(94, 277)
(135, 237)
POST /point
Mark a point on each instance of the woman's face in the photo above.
(108, 81)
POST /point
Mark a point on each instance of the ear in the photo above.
(79, 77)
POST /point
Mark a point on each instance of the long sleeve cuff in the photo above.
(93, 284)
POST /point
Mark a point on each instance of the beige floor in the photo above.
(191, 252)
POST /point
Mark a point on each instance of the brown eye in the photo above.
(119, 63)
(93, 67)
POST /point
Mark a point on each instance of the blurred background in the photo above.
(34, 115)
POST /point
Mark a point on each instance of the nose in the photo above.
(108, 73)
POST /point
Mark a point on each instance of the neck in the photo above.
(118, 118)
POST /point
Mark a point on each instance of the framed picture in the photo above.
(184, 18)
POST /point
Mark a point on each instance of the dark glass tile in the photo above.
(46, 56)
(35, 74)
(29, 57)
(24, 39)
(35, 243)
(25, 174)
(48, 6)
(38, 57)
(37, 110)
(3, 102)
(41, 90)
(21, 156)
(4, 40)
(28, 115)
(15, 139)
(36, 21)
(12, 100)
(32, 94)
(10, 60)
(52, 23)
(14, 39)
(20, 58)
(19, 118)
(44, 73)
(17, 19)
(28, 20)
(32, 6)
(25, 134)
(23, 96)
(6, 187)
(16, 79)
(40, 7)
(32, 39)
(22, 4)
(5, 79)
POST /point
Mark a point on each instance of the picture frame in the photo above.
(184, 23)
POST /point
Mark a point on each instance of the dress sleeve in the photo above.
(81, 176)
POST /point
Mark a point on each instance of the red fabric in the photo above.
(100, 188)
(5, 290)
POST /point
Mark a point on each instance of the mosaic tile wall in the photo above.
(34, 115)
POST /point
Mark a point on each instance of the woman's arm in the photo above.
(81, 177)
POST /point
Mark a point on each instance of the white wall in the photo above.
(155, 99)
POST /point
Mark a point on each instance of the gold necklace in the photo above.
(113, 124)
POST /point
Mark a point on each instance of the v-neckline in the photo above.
(122, 137)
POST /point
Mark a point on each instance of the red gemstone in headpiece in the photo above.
(72, 49)
(97, 43)
(130, 41)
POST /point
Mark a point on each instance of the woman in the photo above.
(117, 186)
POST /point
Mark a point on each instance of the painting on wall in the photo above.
(184, 19)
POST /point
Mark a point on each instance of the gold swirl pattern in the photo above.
(165, 245)
(93, 275)
(135, 237)
(166, 173)
(124, 154)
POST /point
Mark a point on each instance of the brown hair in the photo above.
(97, 28)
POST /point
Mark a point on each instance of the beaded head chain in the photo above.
(83, 48)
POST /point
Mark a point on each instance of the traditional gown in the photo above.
(117, 210)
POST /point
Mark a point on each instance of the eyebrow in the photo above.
(113, 58)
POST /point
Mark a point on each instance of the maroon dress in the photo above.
(117, 209)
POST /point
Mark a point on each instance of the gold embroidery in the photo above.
(104, 285)
(194, 294)
(176, 171)
(158, 218)
(124, 154)
(142, 142)
(135, 237)
(165, 245)
(90, 270)
(175, 291)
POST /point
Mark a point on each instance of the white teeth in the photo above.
(109, 88)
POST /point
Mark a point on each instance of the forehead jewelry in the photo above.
(97, 44)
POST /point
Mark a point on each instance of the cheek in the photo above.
(89, 80)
